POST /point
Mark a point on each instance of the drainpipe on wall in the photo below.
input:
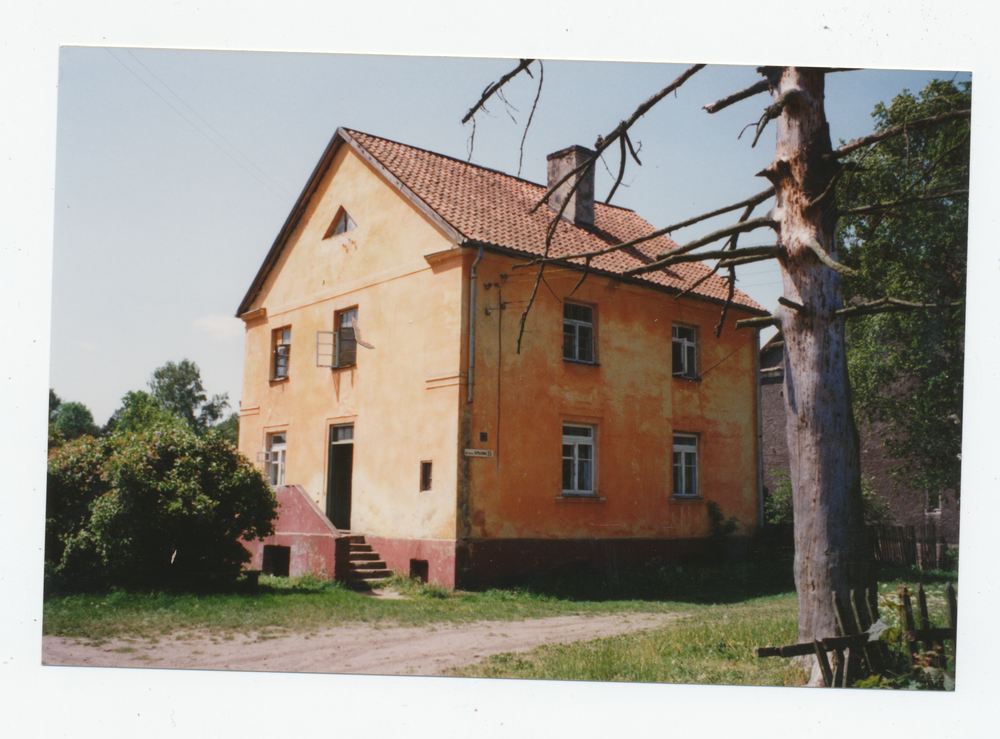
(472, 321)
(760, 432)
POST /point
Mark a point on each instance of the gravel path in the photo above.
(356, 649)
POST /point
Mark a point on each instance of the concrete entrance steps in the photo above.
(364, 564)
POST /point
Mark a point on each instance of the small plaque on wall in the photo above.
(478, 452)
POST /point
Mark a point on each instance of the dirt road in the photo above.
(356, 649)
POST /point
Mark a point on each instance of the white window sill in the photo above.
(581, 361)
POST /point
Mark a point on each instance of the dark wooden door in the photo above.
(340, 468)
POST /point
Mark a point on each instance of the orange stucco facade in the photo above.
(408, 398)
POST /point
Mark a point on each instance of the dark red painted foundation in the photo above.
(480, 563)
(401, 554)
(311, 539)
(485, 562)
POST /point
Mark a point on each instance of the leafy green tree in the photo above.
(54, 402)
(778, 503)
(151, 509)
(230, 429)
(74, 420)
(178, 389)
(906, 366)
(141, 412)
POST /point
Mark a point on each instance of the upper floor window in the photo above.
(342, 223)
(346, 322)
(685, 352)
(579, 447)
(685, 465)
(578, 332)
(281, 351)
(339, 348)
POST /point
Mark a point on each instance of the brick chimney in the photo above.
(581, 206)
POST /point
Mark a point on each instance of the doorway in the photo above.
(339, 473)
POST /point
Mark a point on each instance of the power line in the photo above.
(252, 164)
(282, 195)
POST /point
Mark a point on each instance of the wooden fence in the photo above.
(913, 546)
(853, 644)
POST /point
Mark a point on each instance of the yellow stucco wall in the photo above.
(629, 395)
(402, 396)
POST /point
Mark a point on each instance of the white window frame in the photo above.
(281, 348)
(688, 352)
(573, 330)
(580, 451)
(685, 449)
(274, 458)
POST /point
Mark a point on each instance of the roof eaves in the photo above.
(636, 280)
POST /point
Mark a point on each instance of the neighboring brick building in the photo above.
(907, 506)
(382, 374)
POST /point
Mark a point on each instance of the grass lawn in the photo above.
(714, 647)
(729, 611)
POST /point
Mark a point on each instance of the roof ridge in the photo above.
(466, 163)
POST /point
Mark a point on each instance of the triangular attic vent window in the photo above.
(341, 224)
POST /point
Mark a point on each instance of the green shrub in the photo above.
(778, 504)
(151, 509)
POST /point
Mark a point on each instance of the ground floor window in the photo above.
(685, 465)
(579, 448)
(275, 459)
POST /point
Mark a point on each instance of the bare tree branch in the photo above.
(768, 252)
(722, 233)
(762, 322)
(829, 261)
(737, 261)
(621, 170)
(729, 302)
(792, 304)
(886, 305)
(697, 282)
(774, 111)
(755, 200)
(731, 247)
(541, 75)
(586, 271)
(754, 89)
(832, 187)
(603, 142)
(878, 138)
(887, 207)
(492, 89)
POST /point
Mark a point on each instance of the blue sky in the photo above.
(133, 149)
(175, 170)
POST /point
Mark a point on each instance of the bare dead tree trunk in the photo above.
(823, 442)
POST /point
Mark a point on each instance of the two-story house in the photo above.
(387, 376)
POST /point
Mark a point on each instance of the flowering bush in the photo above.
(151, 509)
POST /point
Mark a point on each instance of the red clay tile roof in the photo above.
(493, 208)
